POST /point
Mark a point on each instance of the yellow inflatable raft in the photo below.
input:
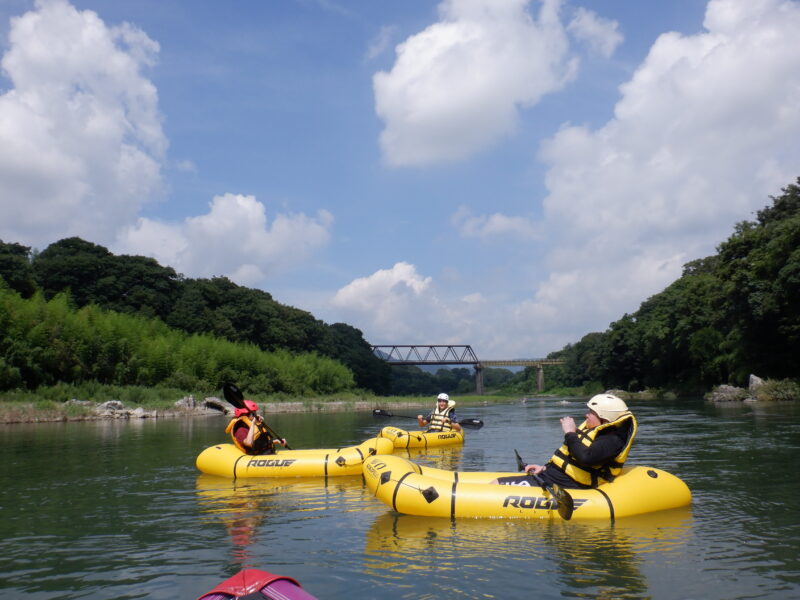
(409, 488)
(227, 460)
(421, 439)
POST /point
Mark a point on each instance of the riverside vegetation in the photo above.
(76, 315)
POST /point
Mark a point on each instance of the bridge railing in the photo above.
(426, 354)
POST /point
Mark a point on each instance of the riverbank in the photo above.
(42, 410)
(64, 403)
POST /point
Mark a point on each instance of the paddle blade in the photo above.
(471, 423)
(520, 462)
(566, 506)
(564, 502)
(233, 395)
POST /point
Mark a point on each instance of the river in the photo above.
(110, 509)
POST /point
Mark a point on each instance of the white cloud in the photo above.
(186, 166)
(599, 34)
(81, 142)
(703, 133)
(233, 239)
(494, 226)
(398, 305)
(381, 41)
(401, 306)
(456, 87)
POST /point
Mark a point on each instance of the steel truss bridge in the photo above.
(450, 354)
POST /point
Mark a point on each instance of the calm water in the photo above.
(118, 510)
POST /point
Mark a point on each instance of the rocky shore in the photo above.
(757, 389)
(86, 410)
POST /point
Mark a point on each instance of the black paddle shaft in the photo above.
(471, 423)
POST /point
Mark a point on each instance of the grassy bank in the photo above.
(79, 403)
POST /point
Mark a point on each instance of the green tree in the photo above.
(346, 344)
(130, 284)
(15, 268)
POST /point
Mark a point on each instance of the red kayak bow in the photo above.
(254, 584)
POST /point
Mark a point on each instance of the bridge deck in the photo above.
(449, 354)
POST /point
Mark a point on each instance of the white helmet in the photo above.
(607, 406)
(443, 396)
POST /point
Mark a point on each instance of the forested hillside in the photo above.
(50, 343)
(729, 315)
(139, 286)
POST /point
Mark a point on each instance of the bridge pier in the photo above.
(479, 380)
(540, 379)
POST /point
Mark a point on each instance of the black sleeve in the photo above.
(605, 446)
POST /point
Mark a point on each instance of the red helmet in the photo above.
(249, 407)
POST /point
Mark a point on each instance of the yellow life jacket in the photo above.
(440, 421)
(262, 440)
(593, 475)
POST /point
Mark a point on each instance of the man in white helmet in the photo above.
(591, 454)
(443, 417)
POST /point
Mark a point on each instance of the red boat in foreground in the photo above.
(254, 584)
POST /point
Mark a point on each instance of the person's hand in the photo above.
(283, 442)
(535, 469)
(419, 417)
(568, 425)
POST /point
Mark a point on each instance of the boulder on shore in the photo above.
(727, 393)
(754, 383)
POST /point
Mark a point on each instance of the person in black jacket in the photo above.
(591, 454)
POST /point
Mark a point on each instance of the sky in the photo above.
(508, 174)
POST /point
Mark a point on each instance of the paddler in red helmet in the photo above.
(249, 432)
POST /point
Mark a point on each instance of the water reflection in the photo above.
(604, 560)
(242, 505)
(136, 521)
(591, 559)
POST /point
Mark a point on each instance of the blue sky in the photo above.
(507, 174)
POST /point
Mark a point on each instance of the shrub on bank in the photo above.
(777, 390)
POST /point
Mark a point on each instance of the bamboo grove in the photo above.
(45, 343)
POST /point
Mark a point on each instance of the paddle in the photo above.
(234, 395)
(564, 502)
(469, 423)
